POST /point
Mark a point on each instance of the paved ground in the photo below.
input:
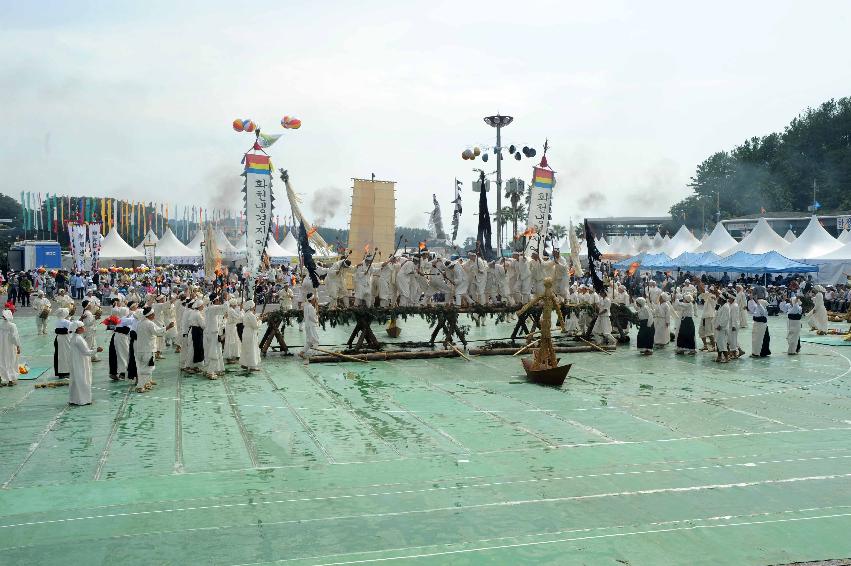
(661, 460)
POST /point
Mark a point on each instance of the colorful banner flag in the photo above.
(258, 210)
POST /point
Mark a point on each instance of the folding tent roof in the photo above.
(762, 239)
(691, 260)
(645, 261)
(644, 243)
(224, 244)
(277, 254)
(602, 245)
(622, 245)
(290, 245)
(790, 236)
(814, 241)
(683, 241)
(114, 248)
(844, 236)
(196, 241)
(719, 241)
(768, 262)
(171, 250)
(658, 241)
(149, 237)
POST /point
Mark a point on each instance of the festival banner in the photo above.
(258, 208)
(95, 239)
(77, 244)
(541, 193)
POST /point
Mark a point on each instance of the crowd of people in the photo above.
(210, 323)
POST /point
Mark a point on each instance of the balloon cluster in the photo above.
(471, 154)
(475, 152)
(244, 125)
(290, 123)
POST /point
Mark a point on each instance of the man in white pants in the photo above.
(145, 350)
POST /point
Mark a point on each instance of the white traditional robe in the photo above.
(40, 306)
(63, 349)
(232, 344)
(818, 316)
(662, 324)
(147, 334)
(80, 386)
(742, 303)
(9, 344)
(311, 328)
(723, 322)
(793, 329)
(91, 324)
(213, 359)
(250, 351)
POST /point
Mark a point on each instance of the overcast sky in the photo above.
(136, 100)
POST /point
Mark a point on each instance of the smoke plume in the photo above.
(324, 204)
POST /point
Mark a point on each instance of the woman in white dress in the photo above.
(250, 353)
(62, 345)
(818, 316)
(311, 325)
(662, 321)
(80, 387)
(10, 349)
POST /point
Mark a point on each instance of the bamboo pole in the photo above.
(459, 352)
(593, 345)
(526, 347)
(340, 354)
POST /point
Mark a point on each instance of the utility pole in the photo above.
(498, 121)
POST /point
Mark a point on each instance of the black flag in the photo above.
(594, 255)
(483, 236)
(456, 215)
(307, 254)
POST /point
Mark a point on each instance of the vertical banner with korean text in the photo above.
(258, 210)
(541, 193)
(95, 243)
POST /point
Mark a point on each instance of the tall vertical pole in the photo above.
(498, 190)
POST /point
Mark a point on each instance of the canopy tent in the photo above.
(623, 246)
(276, 253)
(114, 248)
(762, 239)
(844, 236)
(768, 262)
(835, 266)
(814, 241)
(646, 261)
(194, 244)
(719, 241)
(683, 241)
(290, 245)
(688, 261)
(224, 245)
(171, 250)
(790, 236)
(149, 237)
(602, 245)
(240, 244)
(644, 244)
(658, 242)
(704, 237)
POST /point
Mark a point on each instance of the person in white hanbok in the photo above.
(10, 349)
(742, 303)
(41, 307)
(80, 386)
(214, 363)
(311, 326)
(91, 324)
(62, 345)
(233, 318)
(145, 348)
(818, 315)
(662, 321)
(793, 326)
(250, 352)
(723, 322)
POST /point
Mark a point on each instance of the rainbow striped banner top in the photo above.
(259, 164)
(543, 178)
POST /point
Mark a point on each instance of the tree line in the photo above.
(777, 172)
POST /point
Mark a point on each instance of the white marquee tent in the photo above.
(290, 245)
(683, 241)
(813, 242)
(790, 236)
(149, 237)
(718, 242)
(114, 248)
(277, 254)
(762, 239)
(844, 236)
(171, 250)
(196, 241)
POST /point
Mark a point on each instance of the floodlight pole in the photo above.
(498, 122)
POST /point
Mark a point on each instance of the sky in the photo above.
(136, 99)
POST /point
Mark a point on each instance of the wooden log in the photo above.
(429, 354)
(339, 354)
(526, 347)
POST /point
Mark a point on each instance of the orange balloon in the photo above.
(295, 123)
(237, 125)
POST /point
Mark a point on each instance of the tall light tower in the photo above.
(498, 122)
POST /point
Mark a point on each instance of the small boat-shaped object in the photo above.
(394, 331)
(553, 377)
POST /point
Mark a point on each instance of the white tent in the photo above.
(718, 242)
(834, 266)
(844, 236)
(762, 239)
(790, 236)
(290, 245)
(224, 244)
(658, 242)
(277, 254)
(196, 241)
(239, 244)
(149, 237)
(704, 237)
(172, 250)
(602, 245)
(814, 241)
(621, 245)
(683, 241)
(114, 248)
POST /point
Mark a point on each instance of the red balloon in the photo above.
(237, 125)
